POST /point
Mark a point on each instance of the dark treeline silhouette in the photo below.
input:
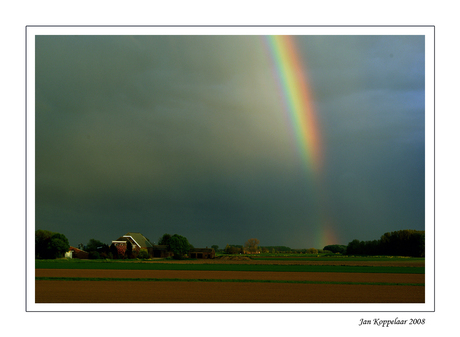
(403, 243)
(50, 245)
(336, 249)
(240, 249)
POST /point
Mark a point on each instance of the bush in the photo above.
(143, 254)
(94, 255)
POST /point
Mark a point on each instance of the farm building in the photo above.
(138, 242)
(75, 253)
(135, 241)
(161, 251)
(202, 253)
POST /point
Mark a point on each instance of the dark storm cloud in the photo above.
(343, 65)
(370, 94)
(186, 135)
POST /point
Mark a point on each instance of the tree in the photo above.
(179, 245)
(94, 245)
(50, 245)
(58, 245)
(403, 242)
(164, 240)
(252, 245)
(354, 247)
(97, 249)
(232, 249)
(41, 242)
(114, 251)
(336, 249)
(215, 247)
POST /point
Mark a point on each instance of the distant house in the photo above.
(202, 253)
(75, 253)
(136, 240)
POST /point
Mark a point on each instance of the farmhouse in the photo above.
(76, 253)
(202, 253)
(138, 242)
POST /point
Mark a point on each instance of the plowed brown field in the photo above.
(224, 292)
(216, 292)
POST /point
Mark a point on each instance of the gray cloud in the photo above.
(187, 134)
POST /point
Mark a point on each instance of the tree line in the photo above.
(403, 243)
(252, 246)
(240, 249)
(50, 245)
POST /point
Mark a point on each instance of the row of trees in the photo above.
(252, 246)
(239, 249)
(178, 244)
(402, 243)
(50, 245)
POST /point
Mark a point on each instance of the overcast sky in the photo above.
(187, 135)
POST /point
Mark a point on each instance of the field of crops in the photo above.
(232, 280)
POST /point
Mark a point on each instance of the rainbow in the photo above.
(297, 95)
(293, 84)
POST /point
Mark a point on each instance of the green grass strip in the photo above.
(226, 267)
(217, 280)
(338, 258)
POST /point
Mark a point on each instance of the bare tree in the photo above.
(252, 245)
